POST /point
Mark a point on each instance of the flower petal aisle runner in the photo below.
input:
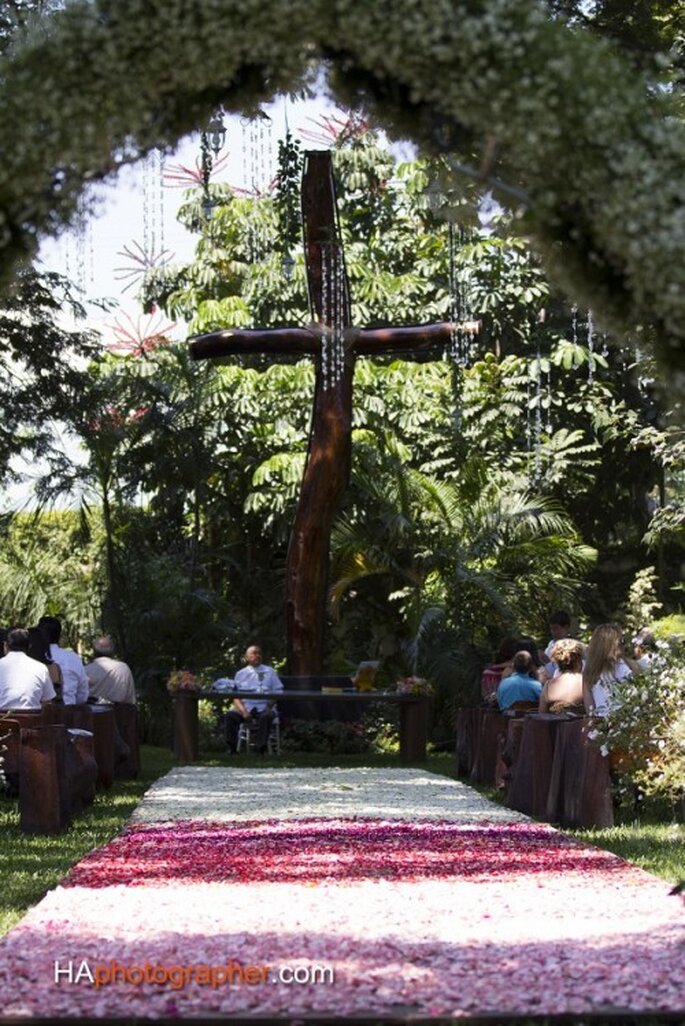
(294, 892)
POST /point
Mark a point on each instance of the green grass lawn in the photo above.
(30, 866)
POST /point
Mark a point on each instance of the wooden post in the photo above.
(413, 730)
(186, 728)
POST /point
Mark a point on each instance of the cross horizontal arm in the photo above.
(377, 341)
(363, 341)
(239, 340)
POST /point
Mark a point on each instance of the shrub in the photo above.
(645, 728)
(327, 736)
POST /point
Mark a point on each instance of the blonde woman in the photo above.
(564, 693)
(604, 667)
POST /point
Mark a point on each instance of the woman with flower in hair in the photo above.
(604, 668)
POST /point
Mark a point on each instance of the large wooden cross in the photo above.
(327, 468)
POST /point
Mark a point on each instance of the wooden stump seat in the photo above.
(532, 768)
(548, 766)
(491, 734)
(57, 773)
(99, 720)
(126, 719)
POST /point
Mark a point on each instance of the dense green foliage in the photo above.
(489, 485)
(579, 144)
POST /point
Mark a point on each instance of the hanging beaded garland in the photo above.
(464, 327)
(538, 415)
(79, 259)
(590, 348)
(153, 206)
(332, 314)
(257, 161)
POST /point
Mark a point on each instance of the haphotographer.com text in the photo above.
(177, 976)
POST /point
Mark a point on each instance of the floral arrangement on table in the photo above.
(183, 680)
(414, 686)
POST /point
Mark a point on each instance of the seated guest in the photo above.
(492, 674)
(564, 693)
(74, 680)
(604, 668)
(253, 677)
(559, 628)
(522, 685)
(24, 682)
(644, 649)
(109, 679)
(526, 644)
(38, 649)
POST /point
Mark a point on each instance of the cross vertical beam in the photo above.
(327, 468)
(330, 439)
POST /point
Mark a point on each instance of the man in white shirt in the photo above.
(559, 628)
(253, 677)
(109, 679)
(24, 682)
(74, 679)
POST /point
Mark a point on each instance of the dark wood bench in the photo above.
(51, 768)
(127, 767)
(549, 767)
(57, 774)
(10, 725)
(99, 720)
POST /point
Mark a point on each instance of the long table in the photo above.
(413, 716)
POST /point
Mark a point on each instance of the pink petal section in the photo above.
(425, 917)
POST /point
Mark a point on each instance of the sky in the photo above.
(138, 209)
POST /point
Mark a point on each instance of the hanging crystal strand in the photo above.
(466, 308)
(574, 332)
(266, 161)
(160, 199)
(340, 313)
(605, 345)
(325, 318)
(68, 269)
(81, 230)
(254, 185)
(153, 206)
(538, 414)
(529, 432)
(549, 426)
(455, 299)
(590, 348)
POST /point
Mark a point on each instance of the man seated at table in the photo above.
(24, 682)
(522, 685)
(253, 677)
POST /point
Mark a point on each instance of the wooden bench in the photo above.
(57, 774)
(99, 720)
(51, 768)
(549, 767)
(10, 724)
(126, 719)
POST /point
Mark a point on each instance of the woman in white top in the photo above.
(604, 667)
